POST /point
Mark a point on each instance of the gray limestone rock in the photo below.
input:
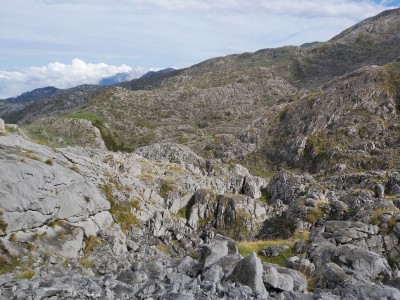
(252, 186)
(272, 251)
(2, 125)
(368, 292)
(170, 153)
(39, 190)
(249, 271)
(273, 279)
(333, 275)
(379, 191)
(302, 264)
(286, 186)
(219, 249)
(367, 264)
(213, 274)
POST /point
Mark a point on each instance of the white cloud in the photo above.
(304, 8)
(13, 83)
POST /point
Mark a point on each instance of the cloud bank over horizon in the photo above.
(59, 75)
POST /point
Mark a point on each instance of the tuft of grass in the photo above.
(375, 217)
(264, 198)
(13, 237)
(91, 243)
(3, 224)
(164, 249)
(301, 235)
(74, 168)
(183, 212)
(60, 235)
(86, 263)
(53, 223)
(27, 274)
(49, 162)
(314, 214)
(392, 261)
(245, 248)
(7, 264)
(122, 211)
(165, 189)
(30, 155)
(30, 247)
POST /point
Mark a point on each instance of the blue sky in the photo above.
(83, 40)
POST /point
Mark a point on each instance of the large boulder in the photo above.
(249, 271)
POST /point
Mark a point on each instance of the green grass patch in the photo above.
(183, 212)
(208, 136)
(392, 261)
(164, 249)
(11, 128)
(314, 214)
(122, 211)
(165, 189)
(111, 141)
(27, 274)
(301, 235)
(375, 217)
(85, 116)
(86, 263)
(265, 198)
(245, 248)
(7, 264)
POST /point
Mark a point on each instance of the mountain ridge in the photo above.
(229, 88)
(266, 175)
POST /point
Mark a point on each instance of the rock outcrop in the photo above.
(173, 221)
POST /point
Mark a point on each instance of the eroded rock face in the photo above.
(237, 216)
(287, 187)
(35, 191)
(170, 248)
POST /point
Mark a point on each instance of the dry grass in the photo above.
(87, 263)
(27, 274)
(245, 248)
(49, 162)
(91, 243)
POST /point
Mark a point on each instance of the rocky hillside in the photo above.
(166, 223)
(179, 213)
(46, 102)
(239, 107)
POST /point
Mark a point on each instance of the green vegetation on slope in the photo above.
(111, 140)
(122, 211)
